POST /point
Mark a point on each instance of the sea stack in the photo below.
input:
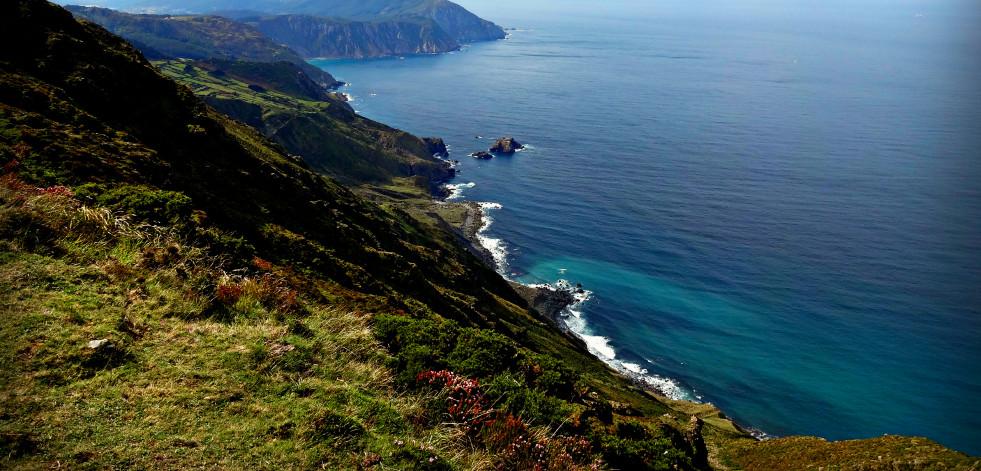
(506, 145)
(481, 155)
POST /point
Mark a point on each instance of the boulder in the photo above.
(436, 146)
(481, 155)
(506, 145)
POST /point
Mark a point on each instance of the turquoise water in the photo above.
(776, 211)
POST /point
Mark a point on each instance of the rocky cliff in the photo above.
(462, 24)
(314, 36)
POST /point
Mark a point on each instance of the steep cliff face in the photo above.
(313, 36)
(461, 24)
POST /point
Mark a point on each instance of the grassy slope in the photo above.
(889, 452)
(327, 133)
(178, 390)
(240, 319)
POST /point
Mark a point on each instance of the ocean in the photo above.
(774, 209)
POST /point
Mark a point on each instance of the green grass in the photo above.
(266, 383)
(211, 364)
(889, 452)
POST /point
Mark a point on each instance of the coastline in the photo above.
(549, 301)
(553, 303)
(473, 222)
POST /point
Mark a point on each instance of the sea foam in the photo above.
(572, 318)
(456, 190)
(496, 247)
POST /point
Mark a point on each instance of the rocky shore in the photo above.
(549, 301)
(473, 221)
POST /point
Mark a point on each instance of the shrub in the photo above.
(532, 405)
(146, 203)
(419, 345)
(634, 446)
(482, 352)
(229, 293)
(270, 292)
(550, 376)
(399, 332)
(416, 359)
(515, 444)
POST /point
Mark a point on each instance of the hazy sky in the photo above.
(518, 13)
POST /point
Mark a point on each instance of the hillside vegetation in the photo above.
(198, 37)
(178, 291)
(324, 130)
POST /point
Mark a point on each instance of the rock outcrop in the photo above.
(436, 146)
(481, 155)
(693, 435)
(506, 145)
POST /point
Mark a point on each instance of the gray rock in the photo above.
(97, 344)
(506, 145)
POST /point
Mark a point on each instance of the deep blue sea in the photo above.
(776, 210)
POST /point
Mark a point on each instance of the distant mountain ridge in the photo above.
(197, 37)
(263, 38)
(454, 19)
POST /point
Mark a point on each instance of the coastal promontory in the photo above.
(436, 146)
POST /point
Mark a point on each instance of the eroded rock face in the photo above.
(436, 146)
(506, 145)
(693, 435)
(481, 155)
